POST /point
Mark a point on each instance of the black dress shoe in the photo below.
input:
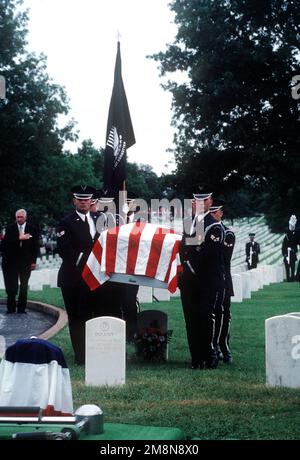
(227, 358)
(219, 353)
(196, 366)
(22, 312)
(9, 312)
(212, 363)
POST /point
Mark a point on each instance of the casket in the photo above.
(137, 253)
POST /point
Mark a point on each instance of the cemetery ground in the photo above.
(231, 402)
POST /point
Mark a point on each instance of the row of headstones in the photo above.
(243, 283)
(48, 277)
(38, 279)
(252, 280)
(270, 241)
(49, 261)
(270, 252)
(271, 255)
(106, 349)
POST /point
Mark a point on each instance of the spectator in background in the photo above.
(252, 251)
(289, 252)
(20, 248)
(223, 304)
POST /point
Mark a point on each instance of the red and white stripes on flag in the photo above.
(138, 248)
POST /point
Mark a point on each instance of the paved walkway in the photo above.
(15, 326)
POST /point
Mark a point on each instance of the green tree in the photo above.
(31, 143)
(236, 121)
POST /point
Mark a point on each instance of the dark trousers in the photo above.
(13, 274)
(198, 302)
(108, 299)
(222, 324)
(290, 269)
(253, 265)
(79, 306)
(129, 309)
(218, 317)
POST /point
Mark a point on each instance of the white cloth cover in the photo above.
(34, 373)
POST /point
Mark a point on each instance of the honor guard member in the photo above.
(222, 310)
(202, 277)
(252, 250)
(76, 234)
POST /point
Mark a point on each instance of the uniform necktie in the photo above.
(86, 222)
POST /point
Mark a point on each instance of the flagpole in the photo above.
(119, 135)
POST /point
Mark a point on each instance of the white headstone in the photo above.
(145, 294)
(237, 288)
(53, 277)
(254, 282)
(246, 281)
(283, 351)
(105, 351)
(2, 87)
(161, 294)
(2, 346)
(2, 286)
(176, 293)
(280, 273)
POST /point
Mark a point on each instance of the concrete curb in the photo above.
(59, 313)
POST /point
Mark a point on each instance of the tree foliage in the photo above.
(236, 121)
(36, 172)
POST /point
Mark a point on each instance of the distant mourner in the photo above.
(202, 278)
(19, 247)
(222, 309)
(293, 237)
(76, 234)
(252, 251)
(289, 251)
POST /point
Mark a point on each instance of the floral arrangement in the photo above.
(151, 343)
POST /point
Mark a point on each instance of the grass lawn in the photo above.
(231, 402)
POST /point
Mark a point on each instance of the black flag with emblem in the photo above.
(119, 134)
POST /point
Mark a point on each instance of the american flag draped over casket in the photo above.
(138, 248)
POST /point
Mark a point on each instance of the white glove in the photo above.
(125, 208)
(292, 222)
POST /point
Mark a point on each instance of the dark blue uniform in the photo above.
(289, 251)
(222, 312)
(74, 244)
(202, 278)
(252, 251)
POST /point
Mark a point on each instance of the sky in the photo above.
(79, 38)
